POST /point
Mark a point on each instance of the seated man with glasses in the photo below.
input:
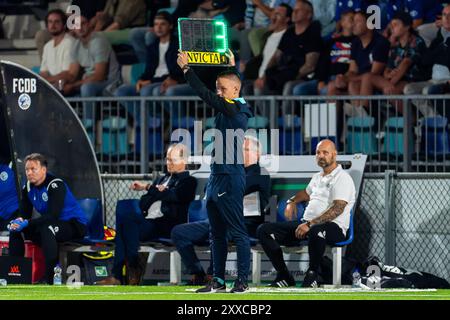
(163, 206)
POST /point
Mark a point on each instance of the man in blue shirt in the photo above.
(9, 203)
(62, 219)
(226, 185)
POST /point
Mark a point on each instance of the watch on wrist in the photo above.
(291, 200)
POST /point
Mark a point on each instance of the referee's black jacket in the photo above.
(231, 114)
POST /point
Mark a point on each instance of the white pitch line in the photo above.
(186, 293)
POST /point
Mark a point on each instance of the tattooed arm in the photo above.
(335, 211)
(332, 213)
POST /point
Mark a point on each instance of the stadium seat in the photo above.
(197, 211)
(360, 137)
(169, 9)
(136, 71)
(258, 122)
(155, 141)
(36, 69)
(114, 136)
(336, 250)
(435, 137)
(93, 211)
(186, 123)
(88, 125)
(290, 136)
(393, 141)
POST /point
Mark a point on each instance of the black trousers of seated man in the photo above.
(47, 234)
(272, 235)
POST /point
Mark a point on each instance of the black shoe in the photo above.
(239, 286)
(213, 286)
(283, 281)
(310, 280)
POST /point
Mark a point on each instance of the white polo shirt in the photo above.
(323, 190)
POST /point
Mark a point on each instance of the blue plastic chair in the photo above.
(360, 137)
(93, 210)
(290, 136)
(136, 71)
(337, 253)
(114, 136)
(435, 137)
(155, 141)
(393, 141)
(197, 211)
(88, 125)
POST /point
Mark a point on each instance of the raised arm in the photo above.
(222, 105)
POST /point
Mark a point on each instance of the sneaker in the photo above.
(283, 281)
(239, 287)
(310, 280)
(213, 286)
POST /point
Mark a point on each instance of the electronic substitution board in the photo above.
(204, 40)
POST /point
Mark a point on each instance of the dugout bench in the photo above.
(289, 174)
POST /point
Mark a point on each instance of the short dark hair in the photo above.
(230, 74)
(59, 12)
(346, 12)
(310, 5)
(404, 17)
(288, 9)
(362, 13)
(164, 15)
(37, 157)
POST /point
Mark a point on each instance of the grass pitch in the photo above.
(42, 292)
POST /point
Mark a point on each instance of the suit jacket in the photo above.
(174, 200)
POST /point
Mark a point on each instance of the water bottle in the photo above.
(57, 277)
(356, 283)
(3, 282)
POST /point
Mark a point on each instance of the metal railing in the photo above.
(403, 133)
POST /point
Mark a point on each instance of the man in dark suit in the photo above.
(163, 206)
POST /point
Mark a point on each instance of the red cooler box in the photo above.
(32, 251)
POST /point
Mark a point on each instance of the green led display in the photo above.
(202, 35)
